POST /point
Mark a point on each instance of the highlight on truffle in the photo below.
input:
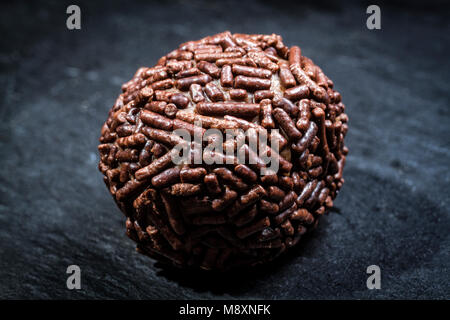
(219, 217)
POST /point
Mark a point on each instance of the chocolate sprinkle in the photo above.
(223, 216)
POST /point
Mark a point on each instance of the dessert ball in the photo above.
(218, 215)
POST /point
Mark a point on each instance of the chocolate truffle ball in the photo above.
(223, 216)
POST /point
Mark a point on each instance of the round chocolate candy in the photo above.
(236, 212)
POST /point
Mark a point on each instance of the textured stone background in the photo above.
(56, 87)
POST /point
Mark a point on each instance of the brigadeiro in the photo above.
(221, 216)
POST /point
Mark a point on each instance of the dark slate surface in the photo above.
(56, 87)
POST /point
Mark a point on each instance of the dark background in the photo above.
(56, 87)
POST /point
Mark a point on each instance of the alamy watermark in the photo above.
(374, 280)
(73, 22)
(374, 20)
(73, 281)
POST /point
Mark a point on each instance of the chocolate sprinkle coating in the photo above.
(224, 216)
